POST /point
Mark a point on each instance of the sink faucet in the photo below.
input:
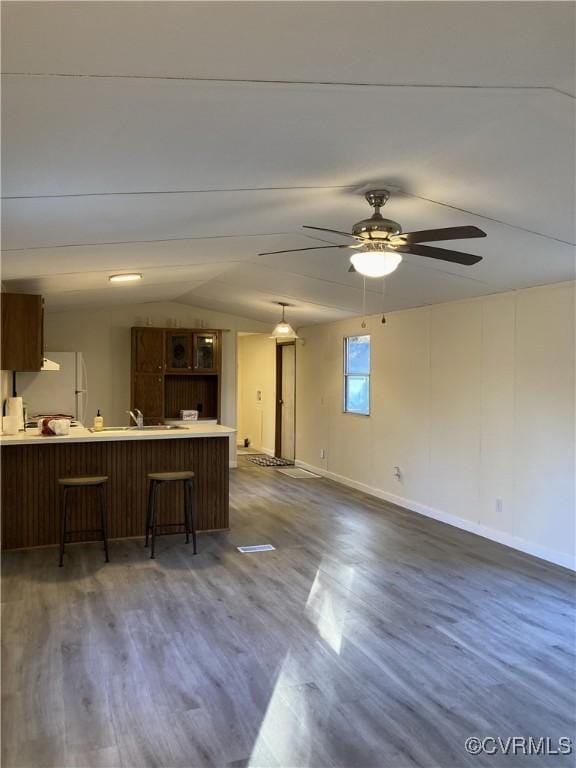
(138, 417)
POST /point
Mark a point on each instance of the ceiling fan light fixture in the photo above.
(284, 330)
(375, 263)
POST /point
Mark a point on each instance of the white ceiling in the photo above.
(182, 139)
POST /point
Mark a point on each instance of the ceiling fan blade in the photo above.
(430, 235)
(312, 248)
(334, 231)
(456, 257)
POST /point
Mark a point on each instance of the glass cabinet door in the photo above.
(178, 353)
(205, 352)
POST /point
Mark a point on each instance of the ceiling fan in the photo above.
(380, 243)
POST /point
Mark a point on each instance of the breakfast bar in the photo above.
(32, 464)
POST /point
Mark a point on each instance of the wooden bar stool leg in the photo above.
(186, 513)
(103, 512)
(153, 517)
(62, 525)
(190, 515)
(149, 510)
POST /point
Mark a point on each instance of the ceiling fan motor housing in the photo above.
(376, 228)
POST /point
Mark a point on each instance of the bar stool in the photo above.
(67, 484)
(155, 480)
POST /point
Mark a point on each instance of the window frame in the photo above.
(346, 375)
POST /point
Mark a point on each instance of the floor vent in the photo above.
(256, 548)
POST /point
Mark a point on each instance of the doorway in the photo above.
(285, 401)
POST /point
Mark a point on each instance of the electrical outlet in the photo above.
(322, 453)
(499, 506)
(397, 473)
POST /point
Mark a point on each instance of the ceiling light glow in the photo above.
(125, 278)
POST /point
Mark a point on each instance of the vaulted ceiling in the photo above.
(181, 139)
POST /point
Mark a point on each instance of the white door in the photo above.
(288, 392)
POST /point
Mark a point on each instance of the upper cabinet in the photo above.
(192, 352)
(22, 332)
(179, 351)
(206, 352)
(148, 350)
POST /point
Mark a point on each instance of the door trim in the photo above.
(278, 414)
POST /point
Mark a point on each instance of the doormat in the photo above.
(256, 548)
(298, 474)
(269, 461)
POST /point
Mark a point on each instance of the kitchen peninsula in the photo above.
(32, 464)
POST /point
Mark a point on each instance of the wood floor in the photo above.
(370, 637)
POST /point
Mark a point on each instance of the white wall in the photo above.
(103, 336)
(473, 400)
(5, 387)
(257, 373)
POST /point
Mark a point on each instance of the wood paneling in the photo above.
(22, 332)
(190, 392)
(30, 515)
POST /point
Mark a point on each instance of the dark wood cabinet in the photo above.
(175, 370)
(22, 332)
(148, 394)
(148, 350)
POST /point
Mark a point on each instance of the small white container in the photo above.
(10, 425)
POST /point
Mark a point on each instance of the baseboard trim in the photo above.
(508, 540)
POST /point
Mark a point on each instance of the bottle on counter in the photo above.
(98, 422)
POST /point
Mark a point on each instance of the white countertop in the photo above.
(83, 435)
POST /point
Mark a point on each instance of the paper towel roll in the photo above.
(15, 407)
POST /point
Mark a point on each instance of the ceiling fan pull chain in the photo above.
(363, 324)
(383, 320)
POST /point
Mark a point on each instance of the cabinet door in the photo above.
(148, 394)
(22, 332)
(206, 352)
(178, 351)
(148, 350)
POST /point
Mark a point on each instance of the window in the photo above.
(357, 374)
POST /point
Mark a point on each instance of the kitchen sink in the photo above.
(153, 428)
(111, 429)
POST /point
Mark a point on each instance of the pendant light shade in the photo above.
(375, 263)
(284, 330)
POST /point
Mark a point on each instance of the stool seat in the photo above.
(168, 476)
(92, 480)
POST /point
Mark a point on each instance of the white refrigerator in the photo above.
(51, 392)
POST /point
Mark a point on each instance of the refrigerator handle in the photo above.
(84, 391)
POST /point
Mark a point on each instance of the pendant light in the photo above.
(284, 330)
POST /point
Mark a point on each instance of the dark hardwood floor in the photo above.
(370, 637)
